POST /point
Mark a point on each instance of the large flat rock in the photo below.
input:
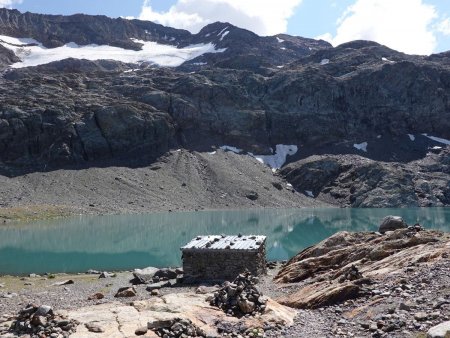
(119, 320)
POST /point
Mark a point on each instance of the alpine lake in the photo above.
(124, 242)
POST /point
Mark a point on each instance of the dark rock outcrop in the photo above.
(7, 57)
(57, 30)
(352, 180)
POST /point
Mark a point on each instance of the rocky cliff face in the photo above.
(355, 181)
(255, 93)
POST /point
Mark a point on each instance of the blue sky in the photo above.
(413, 26)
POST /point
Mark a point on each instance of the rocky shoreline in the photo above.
(392, 283)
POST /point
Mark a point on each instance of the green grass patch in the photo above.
(33, 213)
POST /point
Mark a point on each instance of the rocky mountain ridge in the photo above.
(57, 30)
(255, 93)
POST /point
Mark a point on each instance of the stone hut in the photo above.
(223, 257)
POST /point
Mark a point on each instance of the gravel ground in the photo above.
(43, 291)
(180, 180)
(405, 305)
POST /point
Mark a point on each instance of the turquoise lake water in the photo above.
(121, 242)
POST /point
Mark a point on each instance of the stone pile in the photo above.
(40, 321)
(351, 274)
(177, 328)
(241, 330)
(271, 265)
(241, 297)
(416, 227)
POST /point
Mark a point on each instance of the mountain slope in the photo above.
(239, 89)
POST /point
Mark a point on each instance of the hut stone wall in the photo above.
(222, 264)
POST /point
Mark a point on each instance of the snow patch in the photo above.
(279, 40)
(212, 152)
(411, 137)
(282, 66)
(131, 70)
(277, 160)
(289, 185)
(282, 48)
(378, 136)
(224, 35)
(324, 62)
(33, 53)
(438, 139)
(232, 149)
(18, 42)
(223, 30)
(200, 63)
(387, 60)
(361, 146)
(309, 193)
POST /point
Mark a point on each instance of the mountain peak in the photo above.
(218, 25)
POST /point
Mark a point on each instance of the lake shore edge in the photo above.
(403, 283)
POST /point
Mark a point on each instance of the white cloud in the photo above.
(326, 37)
(404, 25)
(264, 17)
(9, 3)
(444, 27)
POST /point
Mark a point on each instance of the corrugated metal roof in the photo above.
(223, 242)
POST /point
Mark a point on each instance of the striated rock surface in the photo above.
(344, 266)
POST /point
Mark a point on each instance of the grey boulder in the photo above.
(439, 331)
(144, 276)
(391, 223)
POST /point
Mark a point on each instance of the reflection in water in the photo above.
(128, 241)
